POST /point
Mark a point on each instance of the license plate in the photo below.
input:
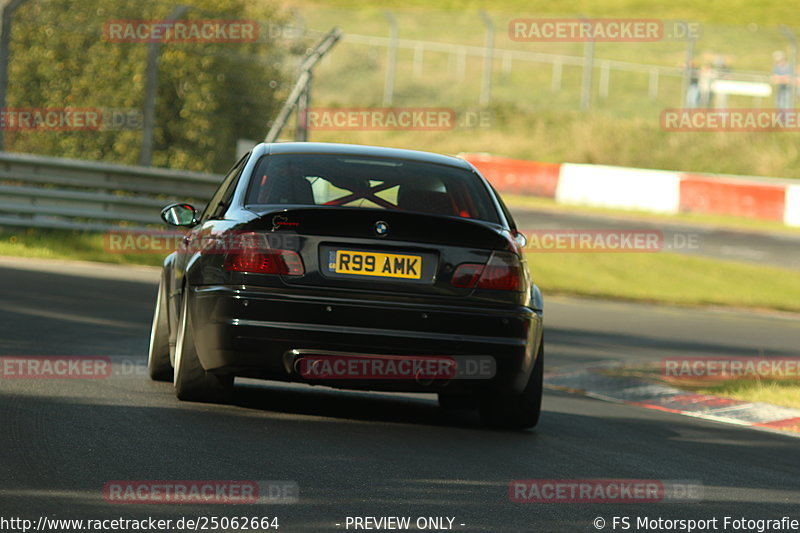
(375, 264)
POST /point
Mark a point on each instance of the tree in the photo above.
(209, 93)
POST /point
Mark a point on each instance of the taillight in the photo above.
(503, 272)
(466, 275)
(284, 262)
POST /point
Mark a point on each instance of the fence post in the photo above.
(792, 63)
(418, 51)
(151, 94)
(604, 79)
(462, 64)
(688, 68)
(5, 43)
(303, 103)
(507, 63)
(653, 87)
(486, 86)
(388, 87)
(301, 86)
(588, 68)
(558, 69)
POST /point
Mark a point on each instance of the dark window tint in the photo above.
(219, 202)
(356, 181)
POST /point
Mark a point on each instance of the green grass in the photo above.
(656, 277)
(666, 278)
(693, 219)
(766, 12)
(524, 132)
(785, 392)
(78, 246)
(745, 30)
(777, 392)
(531, 120)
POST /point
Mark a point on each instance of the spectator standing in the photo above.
(704, 84)
(693, 89)
(781, 80)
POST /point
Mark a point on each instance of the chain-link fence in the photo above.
(415, 57)
(187, 103)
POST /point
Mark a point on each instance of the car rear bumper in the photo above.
(260, 332)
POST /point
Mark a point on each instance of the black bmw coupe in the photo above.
(355, 267)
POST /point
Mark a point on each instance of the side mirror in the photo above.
(520, 239)
(183, 215)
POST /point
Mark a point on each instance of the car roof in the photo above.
(363, 150)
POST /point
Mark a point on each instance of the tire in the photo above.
(516, 411)
(192, 382)
(457, 401)
(159, 365)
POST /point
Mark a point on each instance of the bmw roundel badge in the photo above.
(381, 228)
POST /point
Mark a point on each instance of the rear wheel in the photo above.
(158, 364)
(516, 411)
(191, 381)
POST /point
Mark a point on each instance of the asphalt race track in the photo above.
(365, 454)
(781, 250)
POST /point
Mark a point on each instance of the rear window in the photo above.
(359, 182)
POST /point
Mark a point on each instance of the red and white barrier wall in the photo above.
(621, 188)
(791, 215)
(516, 176)
(657, 191)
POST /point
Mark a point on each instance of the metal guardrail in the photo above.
(48, 192)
